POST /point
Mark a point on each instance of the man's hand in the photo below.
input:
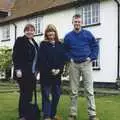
(71, 60)
(88, 59)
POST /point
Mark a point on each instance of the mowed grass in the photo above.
(108, 107)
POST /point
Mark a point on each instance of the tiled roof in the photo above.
(25, 8)
(5, 5)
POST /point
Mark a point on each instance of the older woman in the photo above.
(52, 60)
(24, 58)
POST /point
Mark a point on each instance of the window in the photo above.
(90, 14)
(6, 33)
(96, 63)
(37, 22)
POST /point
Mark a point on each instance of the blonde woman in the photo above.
(52, 60)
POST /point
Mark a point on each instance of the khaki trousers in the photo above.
(75, 71)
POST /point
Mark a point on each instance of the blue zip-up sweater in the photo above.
(81, 45)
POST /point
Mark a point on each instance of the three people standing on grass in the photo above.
(79, 48)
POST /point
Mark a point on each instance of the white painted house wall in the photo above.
(108, 44)
(107, 31)
(62, 20)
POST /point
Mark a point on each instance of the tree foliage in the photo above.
(5, 58)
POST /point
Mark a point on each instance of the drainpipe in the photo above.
(15, 34)
(118, 52)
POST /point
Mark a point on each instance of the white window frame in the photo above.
(38, 23)
(96, 63)
(6, 33)
(90, 13)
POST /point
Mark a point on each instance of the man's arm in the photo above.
(94, 46)
(67, 48)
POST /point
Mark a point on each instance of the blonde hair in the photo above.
(51, 28)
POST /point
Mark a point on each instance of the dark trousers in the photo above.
(50, 98)
(26, 85)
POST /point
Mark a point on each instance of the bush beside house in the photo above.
(5, 62)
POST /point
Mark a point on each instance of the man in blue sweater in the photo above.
(81, 49)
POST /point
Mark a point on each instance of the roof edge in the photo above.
(42, 12)
(48, 10)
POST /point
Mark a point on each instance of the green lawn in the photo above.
(108, 107)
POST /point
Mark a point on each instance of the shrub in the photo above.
(5, 59)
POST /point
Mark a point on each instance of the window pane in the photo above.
(95, 13)
(6, 32)
(96, 63)
(37, 23)
(87, 15)
(90, 13)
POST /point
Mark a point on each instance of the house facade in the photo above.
(99, 17)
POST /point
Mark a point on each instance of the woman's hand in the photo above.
(55, 71)
(38, 76)
(19, 73)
